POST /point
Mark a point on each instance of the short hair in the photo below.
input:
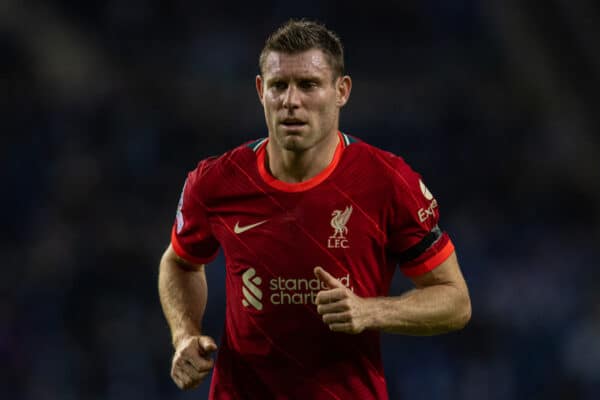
(299, 35)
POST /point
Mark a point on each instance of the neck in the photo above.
(299, 166)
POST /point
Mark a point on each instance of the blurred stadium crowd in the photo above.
(106, 105)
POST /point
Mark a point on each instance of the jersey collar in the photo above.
(300, 186)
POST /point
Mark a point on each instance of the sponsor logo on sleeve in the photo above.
(425, 212)
(179, 215)
(425, 191)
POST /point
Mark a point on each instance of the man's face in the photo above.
(301, 99)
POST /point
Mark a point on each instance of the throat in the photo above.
(297, 167)
(291, 167)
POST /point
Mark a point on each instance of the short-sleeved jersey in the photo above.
(363, 216)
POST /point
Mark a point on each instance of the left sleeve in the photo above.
(191, 235)
(415, 239)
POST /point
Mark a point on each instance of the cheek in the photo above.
(327, 111)
(270, 104)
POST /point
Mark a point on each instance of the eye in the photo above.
(279, 85)
(307, 84)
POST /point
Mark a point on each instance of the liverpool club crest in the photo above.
(339, 220)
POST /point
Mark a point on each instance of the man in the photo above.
(313, 224)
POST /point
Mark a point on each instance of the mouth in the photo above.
(292, 123)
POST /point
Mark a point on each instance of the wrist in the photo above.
(371, 313)
(183, 334)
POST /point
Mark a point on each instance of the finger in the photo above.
(330, 296)
(337, 306)
(176, 376)
(199, 362)
(207, 344)
(195, 362)
(336, 318)
(188, 369)
(327, 278)
(204, 364)
(344, 327)
(188, 378)
(181, 369)
(193, 365)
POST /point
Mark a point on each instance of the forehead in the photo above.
(311, 62)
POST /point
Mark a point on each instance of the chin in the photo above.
(292, 142)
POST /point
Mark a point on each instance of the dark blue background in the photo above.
(106, 105)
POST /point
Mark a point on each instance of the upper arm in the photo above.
(447, 273)
(171, 256)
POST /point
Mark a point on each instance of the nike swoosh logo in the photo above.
(241, 229)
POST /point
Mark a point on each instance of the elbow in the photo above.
(463, 315)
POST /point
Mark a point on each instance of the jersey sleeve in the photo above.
(415, 239)
(191, 235)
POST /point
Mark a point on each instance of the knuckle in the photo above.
(174, 369)
(178, 382)
(178, 363)
(188, 382)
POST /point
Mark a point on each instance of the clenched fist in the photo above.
(192, 361)
(340, 308)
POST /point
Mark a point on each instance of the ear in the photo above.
(343, 88)
(260, 88)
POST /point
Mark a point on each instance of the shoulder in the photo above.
(215, 169)
(381, 162)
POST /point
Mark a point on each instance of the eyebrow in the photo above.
(298, 79)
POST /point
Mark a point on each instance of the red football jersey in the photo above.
(360, 218)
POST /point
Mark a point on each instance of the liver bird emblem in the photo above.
(339, 221)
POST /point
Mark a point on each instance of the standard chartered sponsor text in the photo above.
(299, 290)
(283, 290)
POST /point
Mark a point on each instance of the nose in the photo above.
(291, 99)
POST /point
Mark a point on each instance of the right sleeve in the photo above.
(191, 236)
(415, 240)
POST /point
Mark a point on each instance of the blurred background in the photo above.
(105, 106)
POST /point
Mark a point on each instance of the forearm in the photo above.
(183, 294)
(425, 311)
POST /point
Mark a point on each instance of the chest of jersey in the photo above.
(281, 237)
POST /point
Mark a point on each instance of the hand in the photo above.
(192, 362)
(342, 310)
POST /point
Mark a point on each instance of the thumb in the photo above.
(327, 278)
(207, 344)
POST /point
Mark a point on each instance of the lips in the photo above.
(291, 122)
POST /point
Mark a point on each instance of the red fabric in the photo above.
(367, 211)
(302, 186)
(431, 263)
